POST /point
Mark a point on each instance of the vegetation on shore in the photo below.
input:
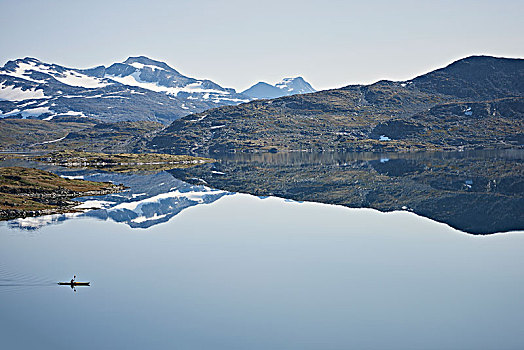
(78, 133)
(121, 162)
(32, 192)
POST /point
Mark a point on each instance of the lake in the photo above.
(196, 265)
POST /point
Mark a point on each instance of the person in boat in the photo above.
(73, 280)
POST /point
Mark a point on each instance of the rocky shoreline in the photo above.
(28, 192)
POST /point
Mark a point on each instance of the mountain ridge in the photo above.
(475, 102)
(138, 88)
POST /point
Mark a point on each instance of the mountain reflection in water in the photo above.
(151, 199)
(480, 192)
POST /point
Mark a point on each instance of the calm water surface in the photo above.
(182, 266)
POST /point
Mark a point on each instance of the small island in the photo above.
(28, 192)
(121, 162)
(32, 192)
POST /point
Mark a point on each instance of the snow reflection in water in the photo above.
(150, 200)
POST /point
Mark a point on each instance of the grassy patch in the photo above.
(29, 192)
(122, 162)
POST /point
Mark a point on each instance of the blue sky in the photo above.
(237, 43)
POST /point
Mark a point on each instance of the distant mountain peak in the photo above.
(295, 85)
(143, 61)
(285, 87)
(291, 79)
(146, 73)
(28, 59)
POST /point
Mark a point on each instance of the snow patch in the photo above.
(216, 127)
(68, 77)
(52, 141)
(12, 93)
(30, 112)
(23, 71)
(73, 177)
(142, 66)
(141, 219)
(192, 196)
(74, 113)
(94, 204)
(73, 78)
(135, 80)
(35, 112)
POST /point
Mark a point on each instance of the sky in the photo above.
(238, 43)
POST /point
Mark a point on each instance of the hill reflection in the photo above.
(480, 192)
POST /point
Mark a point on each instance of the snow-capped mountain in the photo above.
(157, 76)
(286, 87)
(295, 86)
(137, 89)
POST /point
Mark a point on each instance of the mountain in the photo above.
(137, 89)
(73, 133)
(157, 76)
(293, 86)
(476, 102)
(263, 90)
(286, 87)
(476, 78)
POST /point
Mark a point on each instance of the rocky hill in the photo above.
(72, 132)
(476, 102)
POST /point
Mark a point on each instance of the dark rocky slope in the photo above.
(476, 102)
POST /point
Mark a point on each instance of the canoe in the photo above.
(74, 283)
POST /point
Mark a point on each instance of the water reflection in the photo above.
(478, 192)
(247, 273)
(150, 200)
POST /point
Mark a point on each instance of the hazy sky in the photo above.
(237, 43)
